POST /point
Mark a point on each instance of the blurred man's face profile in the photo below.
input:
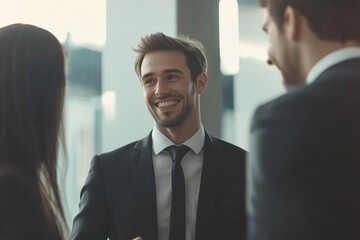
(281, 52)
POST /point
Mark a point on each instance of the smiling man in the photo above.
(148, 188)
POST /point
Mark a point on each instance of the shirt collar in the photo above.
(160, 141)
(332, 59)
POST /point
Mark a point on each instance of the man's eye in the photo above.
(173, 77)
(149, 81)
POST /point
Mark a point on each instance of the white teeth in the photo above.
(166, 104)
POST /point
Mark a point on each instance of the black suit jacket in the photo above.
(118, 199)
(304, 166)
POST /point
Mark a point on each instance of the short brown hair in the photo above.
(332, 20)
(194, 51)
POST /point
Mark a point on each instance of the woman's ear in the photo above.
(201, 80)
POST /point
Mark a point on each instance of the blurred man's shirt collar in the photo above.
(332, 59)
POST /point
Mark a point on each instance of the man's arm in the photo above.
(92, 221)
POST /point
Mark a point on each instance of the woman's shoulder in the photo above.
(18, 195)
(14, 184)
(21, 209)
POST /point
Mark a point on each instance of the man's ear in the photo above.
(201, 81)
(292, 23)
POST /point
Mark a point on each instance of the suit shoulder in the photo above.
(285, 100)
(118, 157)
(124, 150)
(230, 148)
(288, 107)
(122, 155)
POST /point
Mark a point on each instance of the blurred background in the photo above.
(104, 104)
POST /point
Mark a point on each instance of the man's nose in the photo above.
(161, 87)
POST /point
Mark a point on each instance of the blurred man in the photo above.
(304, 167)
(142, 189)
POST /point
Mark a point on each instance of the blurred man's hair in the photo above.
(332, 20)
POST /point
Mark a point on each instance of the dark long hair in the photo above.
(32, 86)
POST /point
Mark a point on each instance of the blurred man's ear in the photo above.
(201, 80)
(292, 23)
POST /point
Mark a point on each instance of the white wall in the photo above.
(256, 82)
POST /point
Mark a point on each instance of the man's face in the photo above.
(168, 89)
(281, 53)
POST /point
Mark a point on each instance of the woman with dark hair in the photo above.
(32, 86)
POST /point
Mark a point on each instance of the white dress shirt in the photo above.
(192, 166)
(332, 59)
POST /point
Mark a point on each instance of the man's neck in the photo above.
(179, 134)
(319, 49)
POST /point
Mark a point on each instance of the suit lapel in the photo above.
(145, 182)
(210, 177)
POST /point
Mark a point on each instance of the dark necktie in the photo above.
(177, 215)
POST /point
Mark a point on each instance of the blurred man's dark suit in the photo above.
(119, 199)
(304, 162)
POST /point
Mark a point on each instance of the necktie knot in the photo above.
(177, 152)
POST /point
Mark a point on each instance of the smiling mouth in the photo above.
(166, 103)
